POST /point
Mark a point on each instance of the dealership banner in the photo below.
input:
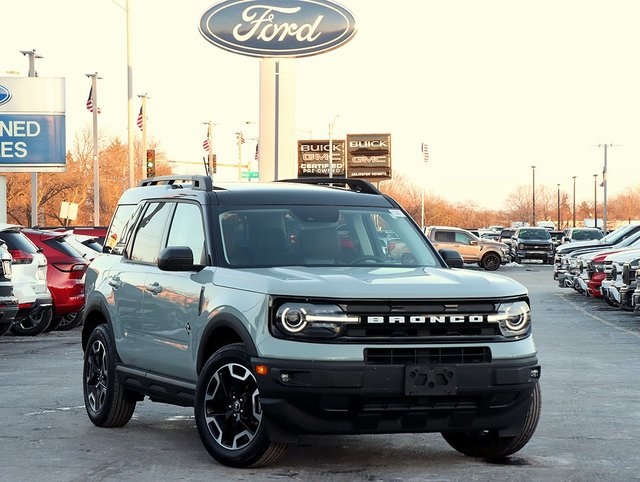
(32, 124)
(369, 156)
(313, 158)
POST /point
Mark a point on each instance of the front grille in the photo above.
(427, 356)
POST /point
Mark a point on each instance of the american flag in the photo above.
(90, 101)
(140, 120)
(257, 155)
(205, 144)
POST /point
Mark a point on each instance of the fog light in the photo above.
(284, 377)
(535, 373)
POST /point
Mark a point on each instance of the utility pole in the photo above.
(558, 207)
(239, 142)
(533, 170)
(34, 175)
(96, 163)
(574, 201)
(595, 200)
(331, 124)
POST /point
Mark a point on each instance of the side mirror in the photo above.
(176, 258)
(452, 258)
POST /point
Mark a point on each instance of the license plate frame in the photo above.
(422, 380)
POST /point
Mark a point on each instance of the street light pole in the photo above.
(34, 175)
(595, 200)
(558, 207)
(533, 170)
(574, 201)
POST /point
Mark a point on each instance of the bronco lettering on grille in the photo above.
(423, 319)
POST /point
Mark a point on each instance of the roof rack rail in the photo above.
(357, 185)
(198, 182)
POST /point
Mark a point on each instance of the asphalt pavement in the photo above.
(589, 428)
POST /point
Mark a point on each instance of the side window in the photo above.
(444, 236)
(149, 237)
(187, 230)
(463, 238)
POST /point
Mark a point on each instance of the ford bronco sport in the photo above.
(274, 310)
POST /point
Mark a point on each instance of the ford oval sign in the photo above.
(5, 95)
(277, 28)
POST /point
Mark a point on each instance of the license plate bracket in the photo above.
(424, 380)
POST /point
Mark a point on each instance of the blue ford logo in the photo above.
(5, 95)
(277, 28)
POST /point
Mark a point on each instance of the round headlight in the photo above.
(293, 320)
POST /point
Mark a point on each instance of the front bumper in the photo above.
(300, 397)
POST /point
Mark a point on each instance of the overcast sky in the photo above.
(493, 87)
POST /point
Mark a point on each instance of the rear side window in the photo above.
(445, 236)
(18, 242)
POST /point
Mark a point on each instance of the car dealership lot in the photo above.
(588, 430)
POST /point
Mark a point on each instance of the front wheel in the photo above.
(228, 412)
(107, 402)
(490, 262)
(488, 445)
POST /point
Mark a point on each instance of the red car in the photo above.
(65, 276)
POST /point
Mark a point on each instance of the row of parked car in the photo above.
(42, 276)
(606, 268)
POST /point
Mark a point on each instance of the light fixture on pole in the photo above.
(574, 201)
(595, 200)
(533, 171)
(331, 124)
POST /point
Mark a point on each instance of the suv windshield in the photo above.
(534, 234)
(322, 236)
(586, 235)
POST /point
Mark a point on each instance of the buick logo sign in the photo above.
(5, 95)
(277, 28)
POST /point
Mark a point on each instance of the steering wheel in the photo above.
(369, 258)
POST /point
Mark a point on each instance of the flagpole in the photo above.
(143, 124)
(96, 164)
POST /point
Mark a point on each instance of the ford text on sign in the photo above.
(277, 28)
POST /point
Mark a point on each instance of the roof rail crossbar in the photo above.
(357, 185)
(198, 182)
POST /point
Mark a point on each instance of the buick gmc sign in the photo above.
(277, 28)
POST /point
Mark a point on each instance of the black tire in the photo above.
(55, 323)
(228, 412)
(70, 321)
(33, 325)
(107, 402)
(490, 262)
(4, 328)
(488, 445)
(517, 260)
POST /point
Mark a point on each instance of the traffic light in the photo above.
(151, 162)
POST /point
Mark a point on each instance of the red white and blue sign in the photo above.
(32, 124)
(277, 28)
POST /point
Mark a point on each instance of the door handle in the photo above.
(154, 288)
(115, 282)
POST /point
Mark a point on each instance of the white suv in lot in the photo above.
(274, 310)
(29, 276)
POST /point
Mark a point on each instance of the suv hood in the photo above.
(370, 283)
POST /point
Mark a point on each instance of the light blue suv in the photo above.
(275, 311)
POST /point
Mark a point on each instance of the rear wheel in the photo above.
(228, 411)
(486, 444)
(4, 328)
(70, 321)
(33, 324)
(107, 402)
